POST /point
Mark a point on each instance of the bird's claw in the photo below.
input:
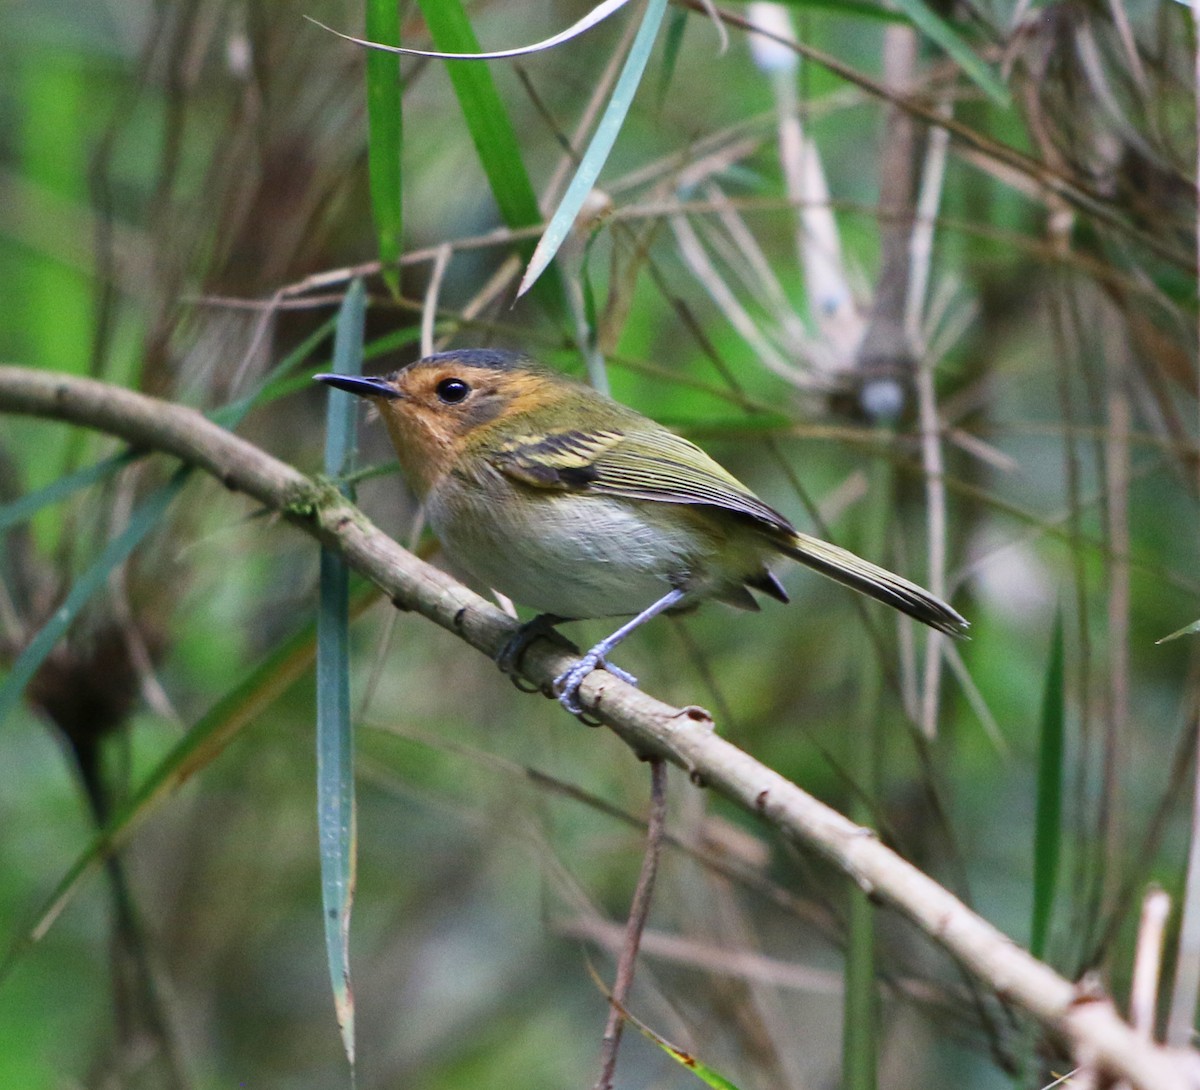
(542, 626)
(566, 685)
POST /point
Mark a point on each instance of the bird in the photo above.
(577, 506)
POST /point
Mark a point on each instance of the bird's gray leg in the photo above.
(566, 686)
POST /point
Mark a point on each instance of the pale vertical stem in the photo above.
(933, 465)
(933, 462)
(920, 243)
(1181, 1019)
(818, 242)
(429, 307)
(1147, 961)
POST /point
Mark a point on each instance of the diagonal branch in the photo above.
(1085, 1020)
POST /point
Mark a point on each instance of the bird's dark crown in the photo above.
(491, 359)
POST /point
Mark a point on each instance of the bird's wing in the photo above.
(652, 464)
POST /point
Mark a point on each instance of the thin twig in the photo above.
(429, 309)
(639, 912)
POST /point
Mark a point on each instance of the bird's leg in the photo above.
(566, 686)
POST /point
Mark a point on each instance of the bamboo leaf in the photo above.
(598, 149)
(335, 742)
(491, 130)
(1186, 630)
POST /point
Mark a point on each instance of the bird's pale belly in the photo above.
(589, 556)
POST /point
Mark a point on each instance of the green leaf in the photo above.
(598, 149)
(1047, 842)
(385, 136)
(490, 127)
(335, 741)
(1186, 630)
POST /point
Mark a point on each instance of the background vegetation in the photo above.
(169, 176)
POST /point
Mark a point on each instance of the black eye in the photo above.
(452, 390)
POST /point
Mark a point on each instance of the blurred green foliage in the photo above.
(166, 169)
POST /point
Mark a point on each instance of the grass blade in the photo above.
(385, 136)
(601, 144)
(21, 510)
(144, 518)
(335, 742)
(491, 130)
(1047, 843)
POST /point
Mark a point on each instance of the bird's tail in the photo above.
(877, 582)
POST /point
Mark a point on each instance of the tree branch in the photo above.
(1084, 1019)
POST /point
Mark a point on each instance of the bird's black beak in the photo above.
(362, 386)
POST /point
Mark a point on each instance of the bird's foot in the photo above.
(566, 686)
(541, 627)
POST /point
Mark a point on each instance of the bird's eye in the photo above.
(452, 390)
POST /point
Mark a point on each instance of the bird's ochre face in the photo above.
(445, 405)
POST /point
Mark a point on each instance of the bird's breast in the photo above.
(571, 554)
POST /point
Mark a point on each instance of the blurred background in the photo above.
(971, 359)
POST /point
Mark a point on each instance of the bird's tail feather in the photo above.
(876, 582)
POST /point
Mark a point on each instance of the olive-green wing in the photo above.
(652, 464)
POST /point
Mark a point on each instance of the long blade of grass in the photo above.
(1186, 630)
(21, 510)
(202, 744)
(335, 742)
(601, 144)
(491, 130)
(1047, 836)
(934, 27)
(144, 518)
(385, 136)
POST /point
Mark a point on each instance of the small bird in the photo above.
(575, 505)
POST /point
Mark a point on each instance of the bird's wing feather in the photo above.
(654, 464)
